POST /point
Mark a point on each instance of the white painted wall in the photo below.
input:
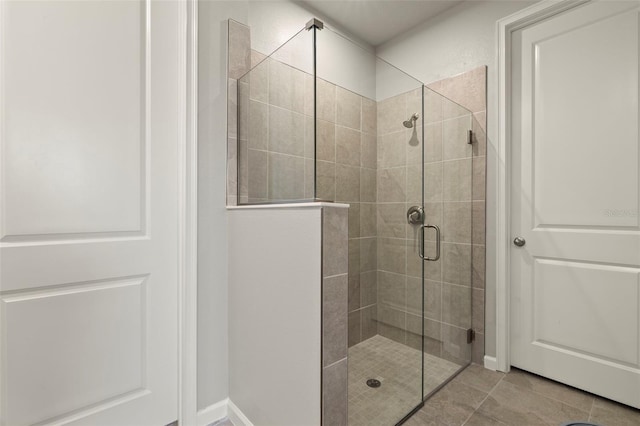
(346, 64)
(213, 378)
(460, 39)
(275, 270)
(391, 81)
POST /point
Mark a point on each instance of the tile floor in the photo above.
(480, 397)
(397, 367)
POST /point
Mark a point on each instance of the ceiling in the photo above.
(376, 21)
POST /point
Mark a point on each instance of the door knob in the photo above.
(519, 241)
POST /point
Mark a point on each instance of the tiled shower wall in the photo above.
(346, 162)
(454, 182)
(399, 176)
(334, 313)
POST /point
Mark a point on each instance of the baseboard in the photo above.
(213, 413)
(490, 363)
(236, 416)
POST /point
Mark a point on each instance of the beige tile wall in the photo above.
(399, 175)
(335, 222)
(346, 147)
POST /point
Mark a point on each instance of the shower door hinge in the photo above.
(471, 335)
(314, 23)
(470, 137)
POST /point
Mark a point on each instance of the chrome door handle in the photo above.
(421, 245)
(519, 241)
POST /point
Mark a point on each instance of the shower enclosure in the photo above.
(323, 119)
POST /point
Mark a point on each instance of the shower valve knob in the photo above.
(415, 215)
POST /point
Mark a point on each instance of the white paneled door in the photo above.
(575, 282)
(89, 133)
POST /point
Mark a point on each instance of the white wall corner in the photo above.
(490, 363)
(213, 413)
(188, 219)
(236, 416)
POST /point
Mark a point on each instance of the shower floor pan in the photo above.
(397, 367)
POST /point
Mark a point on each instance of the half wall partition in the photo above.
(322, 119)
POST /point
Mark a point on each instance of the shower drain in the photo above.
(373, 383)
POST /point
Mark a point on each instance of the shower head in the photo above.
(409, 123)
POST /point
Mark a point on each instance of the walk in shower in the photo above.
(323, 119)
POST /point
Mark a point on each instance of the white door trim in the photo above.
(505, 28)
(188, 217)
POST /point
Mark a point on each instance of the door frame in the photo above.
(505, 29)
(188, 214)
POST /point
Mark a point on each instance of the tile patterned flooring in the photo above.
(476, 397)
(397, 367)
(480, 397)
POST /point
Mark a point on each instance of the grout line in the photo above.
(570, 388)
(336, 275)
(335, 362)
(483, 401)
(555, 399)
(362, 308)
(279, 153)
(593, 403)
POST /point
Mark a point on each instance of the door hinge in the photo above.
(470, 137)
(471, 335)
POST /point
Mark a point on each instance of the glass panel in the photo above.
(275, 110)
(369, 155)
(448, 204)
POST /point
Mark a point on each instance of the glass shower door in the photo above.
(448, 205)
(398, 343)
